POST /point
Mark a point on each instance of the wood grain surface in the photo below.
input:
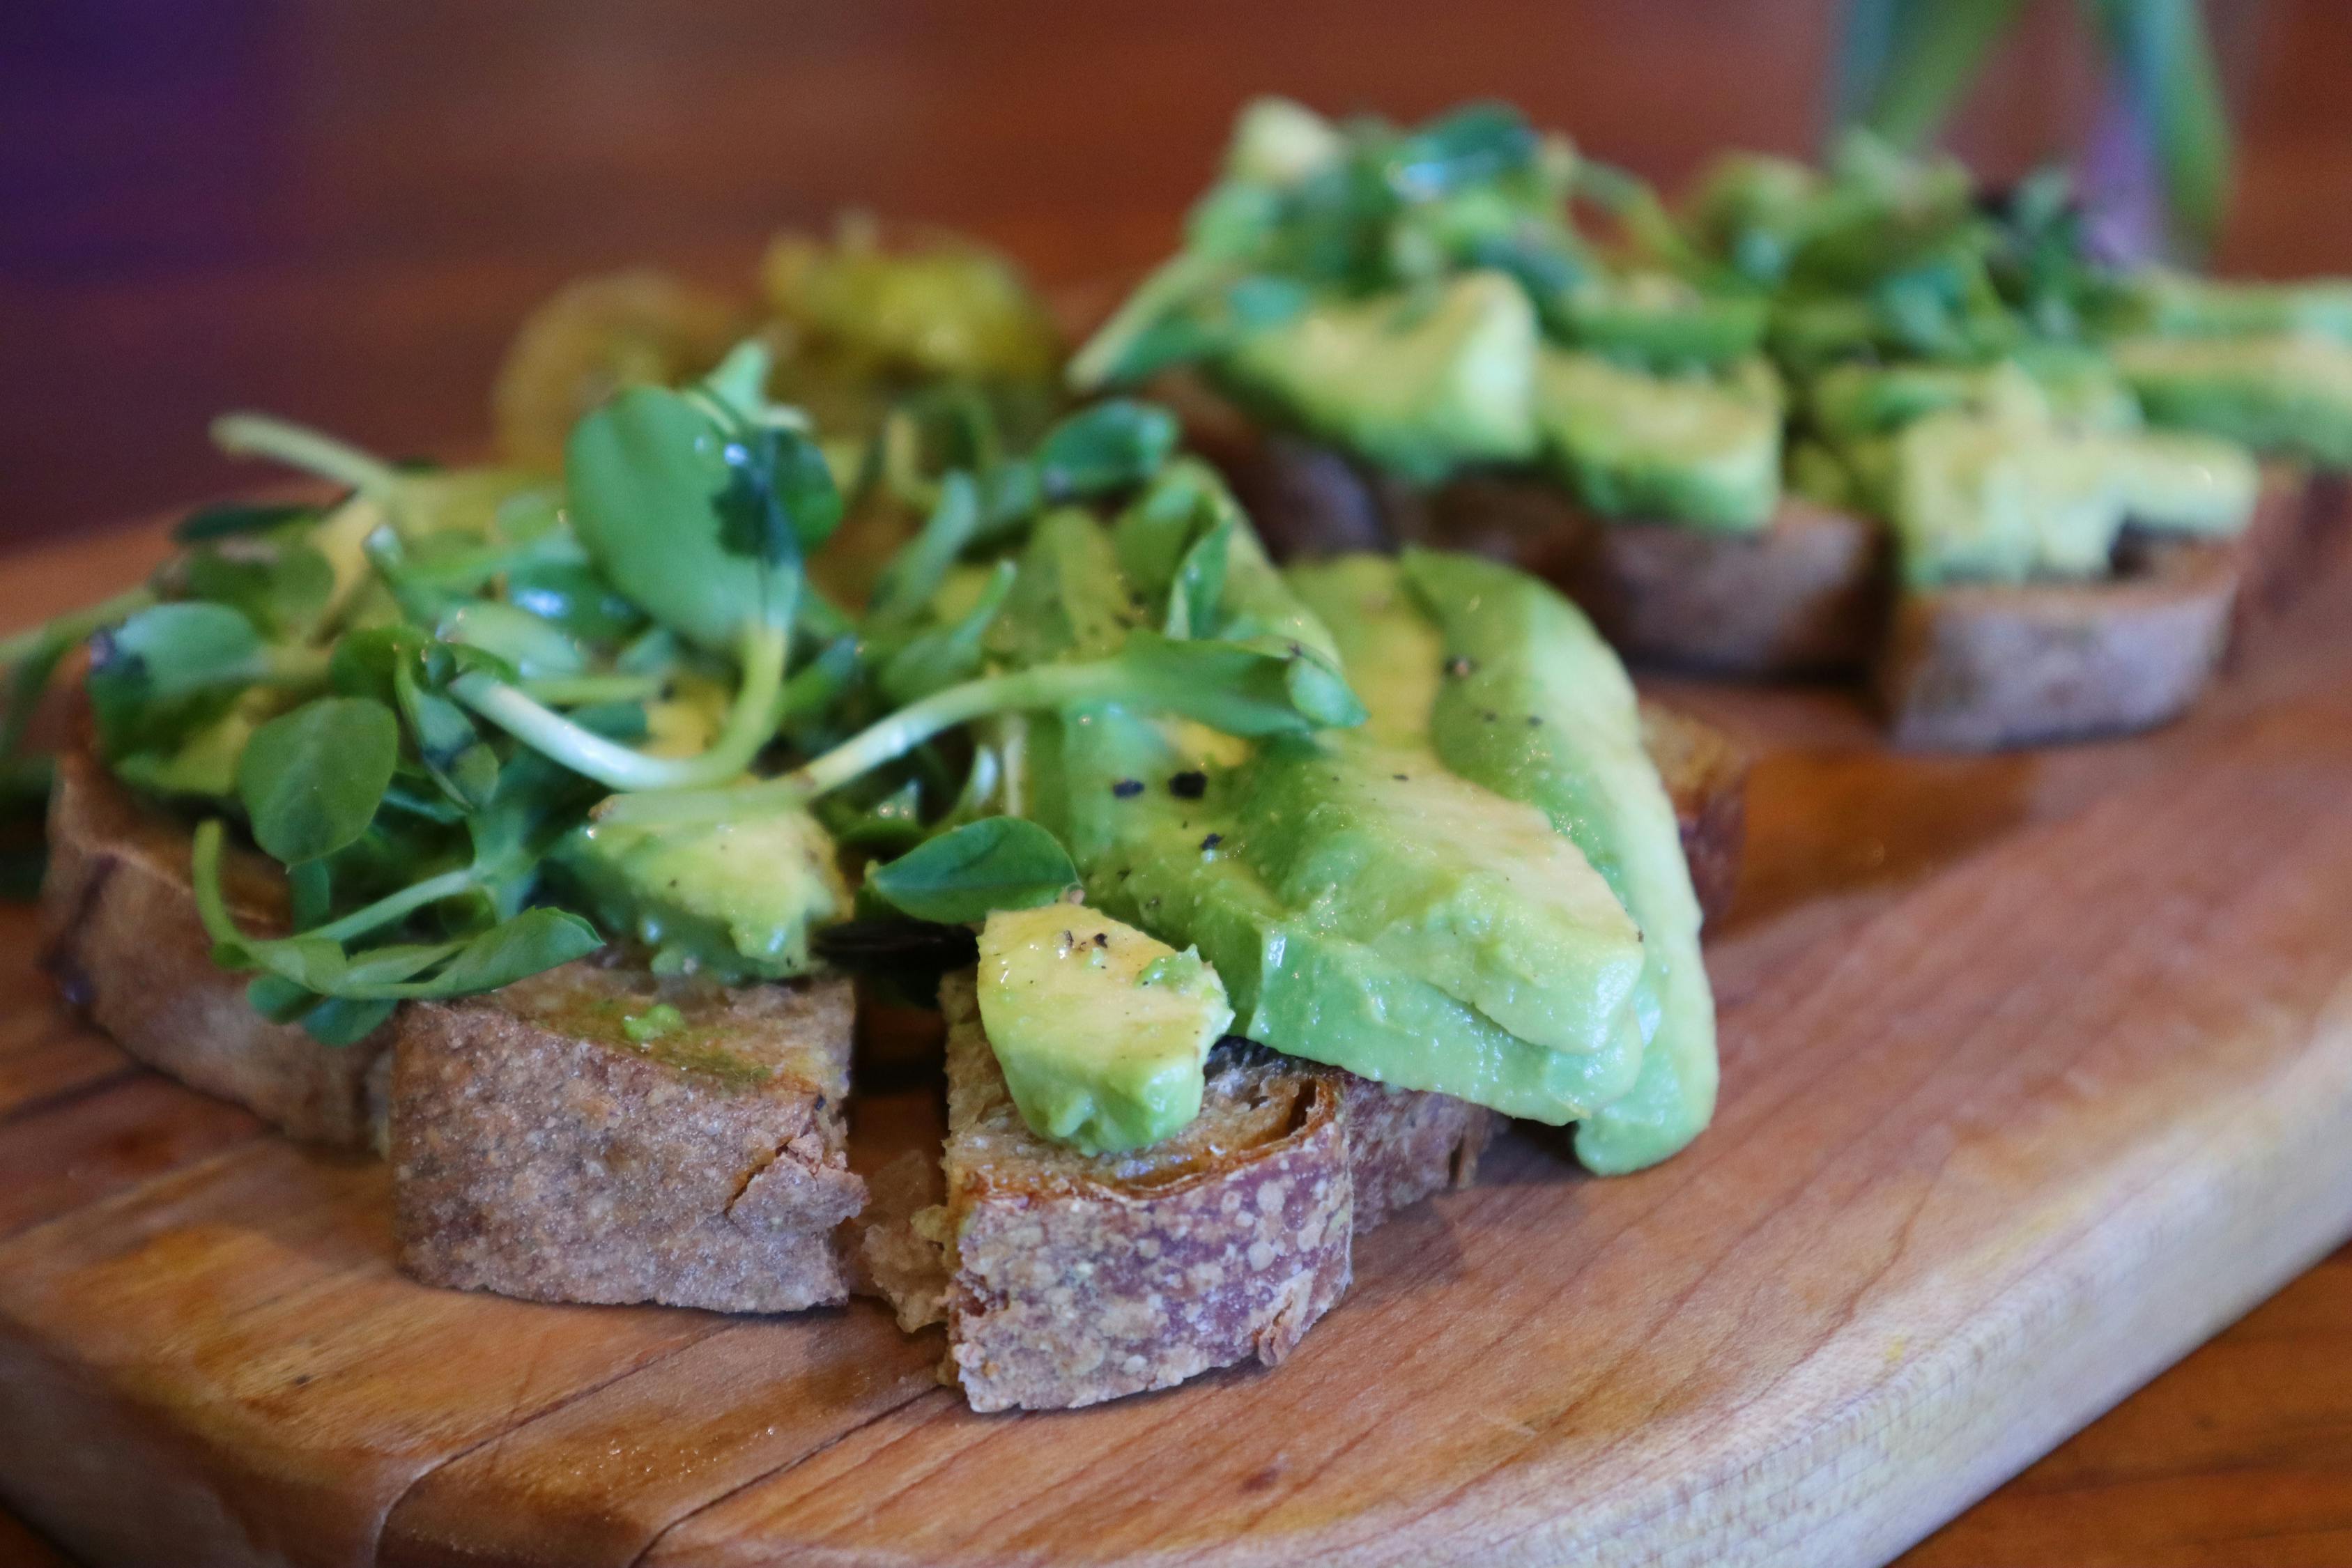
(2036, 1074)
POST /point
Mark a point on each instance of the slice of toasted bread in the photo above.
(1065, 1279)
(121, 935)
(1705, 775)
(540, 1150)
(1982, 667)
(1805, 596)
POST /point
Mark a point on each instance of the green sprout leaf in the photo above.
(312, 779)
(168, 669)
(996, 863)
(1111, 446)
(645, 474)
(780, 502)
(281, 590)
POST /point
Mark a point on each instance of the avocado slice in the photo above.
(1158, 859)
(1698, 449)
(1659, 321)
(2004, 496)
(1418, 385)
(1853, 402)
(1445, 880)
(1173, 862)
(1535, 706)
(733, 899)
(1102, 1032)
(2177, 304)
(2286, 393)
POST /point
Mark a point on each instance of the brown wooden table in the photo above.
(338, 208)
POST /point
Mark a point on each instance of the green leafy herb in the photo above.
(312, 779)
(996, 863)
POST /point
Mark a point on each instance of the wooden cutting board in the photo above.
(2037, 1070)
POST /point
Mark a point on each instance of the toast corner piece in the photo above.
(1704, 772)
(1979, 668)
(1074, 1278)
(540, 1150)
(121, 935)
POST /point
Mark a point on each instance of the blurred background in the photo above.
(338, 208)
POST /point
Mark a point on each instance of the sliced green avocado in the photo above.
(734, 900)
(2176, 304)
(1102, 1031)
(1418, 385)
(1657, 321)
(2180, 481)
(1684, 448)
(1156, 858)
(1853, 402)
(1536, 708)
(1475, 894)
(2285, 392)
(2007, 498)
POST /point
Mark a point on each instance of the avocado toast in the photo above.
(532, 825)
(1705, 432)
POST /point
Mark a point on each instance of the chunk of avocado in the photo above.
(1699, 450)
(2180, 481)
(2176, 304)
(1659, 321)
(1418, 385)
(1448, 883)
(733, 899)
(1158, 859)
(2285, 392)
(2007, 498)
(1536, 708)
(1298, 983)
(1853, 402)
(1102, 1031)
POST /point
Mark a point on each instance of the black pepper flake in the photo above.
(1458, 665)
(1128, 789)
(1212, 841)
(1190, 784)
(1102, 938)
(1534, 719)
(1492, 715)
(1399, 778)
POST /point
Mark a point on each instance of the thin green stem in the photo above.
(1047, 686)
(750, 721)
(396, 906)
(212, 905)
(220, 924)
(575, 690)
(312, 451)
(73, 626)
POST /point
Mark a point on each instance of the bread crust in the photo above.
(1705, 775)
(537, 1150)
(1804, 597)
(1984, 667)
(121, 935)
(1066, 1279)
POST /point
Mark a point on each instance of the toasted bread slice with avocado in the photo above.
(596, 1133)
(1066, 1279)
(120, 934)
